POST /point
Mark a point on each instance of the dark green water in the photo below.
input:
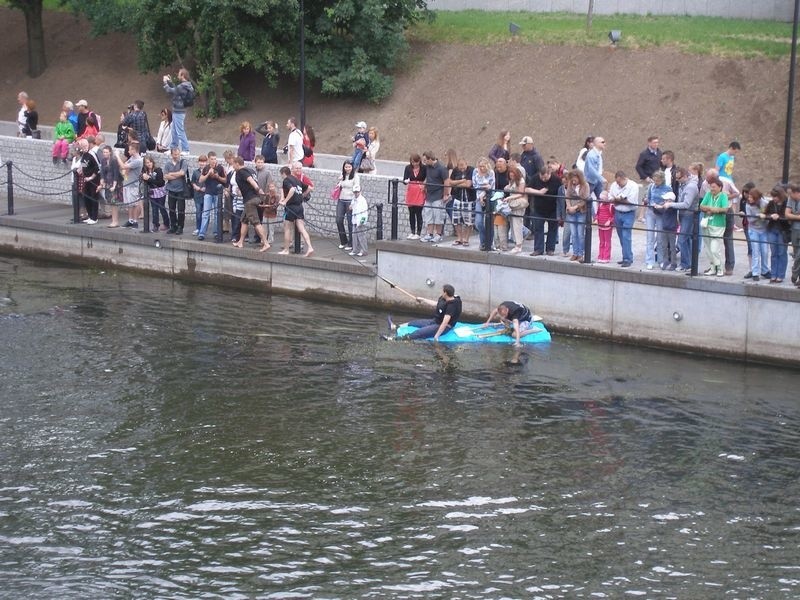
(164, 440)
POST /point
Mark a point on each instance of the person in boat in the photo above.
(447, 311)
(515, 316)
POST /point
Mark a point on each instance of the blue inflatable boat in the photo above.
(471, 333)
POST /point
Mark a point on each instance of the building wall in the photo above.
(772, 10)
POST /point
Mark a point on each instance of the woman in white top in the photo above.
(347, 185)
(164, 137)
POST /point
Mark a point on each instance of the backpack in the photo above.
(188, 94)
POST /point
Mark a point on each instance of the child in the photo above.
(360, 210)
(63, 135)
(501, 222)
(605, 223)
(270, 215)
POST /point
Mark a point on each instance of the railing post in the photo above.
(76, 200)
(587, 241)
(695, 243)
(297, 237)
(395, 202)
(379, 221)
(219, 233)
(10, 184)
(146, 214)
(488, 222)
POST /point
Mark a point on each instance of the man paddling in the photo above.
(516, 317)
(445, 317)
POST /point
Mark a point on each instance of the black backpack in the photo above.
(188, 94)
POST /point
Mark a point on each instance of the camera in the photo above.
(130, 107)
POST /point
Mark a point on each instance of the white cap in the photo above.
(361, 124)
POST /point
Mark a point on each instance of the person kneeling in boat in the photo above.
(448, 310)
(516, 317)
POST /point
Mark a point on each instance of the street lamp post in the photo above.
(303, 67)
(787, 143)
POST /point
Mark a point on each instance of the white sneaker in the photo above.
(416, 237)
(348, 247)
(352, 253)
(410, 236)
(90, 221)
(341, 246)
(436, 239)
(185, 153)
(649, 267)
(360, 254)
(426, 238)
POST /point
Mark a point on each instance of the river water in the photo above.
(169, 440)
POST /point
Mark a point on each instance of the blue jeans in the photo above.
(577, 231)
(624, 223)
(758, 244)
(210, 212)
(198, 210)
(654, 223)
(778, 258)
(427, 329)
(685, 238)
(179, 139)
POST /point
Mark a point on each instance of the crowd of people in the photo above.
(523, 196)
(528, 198)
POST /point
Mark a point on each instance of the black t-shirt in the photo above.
(500, 179)
(245, 187)
(517, 311)
(545, 205)
(292, 183)
(460, 193)
(214, 186)
(452, 308)
(89, 167)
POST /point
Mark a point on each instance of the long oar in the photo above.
(396, 287)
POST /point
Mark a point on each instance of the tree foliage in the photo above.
(351, 48)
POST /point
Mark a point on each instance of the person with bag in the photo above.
(309, 143)
(135, 123)
(414, 177)
(367, 164)
(153, 178)
(110, 183)
(714, 206)
(131, 173)
(182, 96)
(778, 234)
(175, 175)
(578, 193)
(517, 201)
(348, 181)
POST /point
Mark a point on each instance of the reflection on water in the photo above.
(169, 440)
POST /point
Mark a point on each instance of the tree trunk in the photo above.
(216, 62)
(589, 16)
(37, 61)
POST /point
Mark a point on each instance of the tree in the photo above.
(32, 9)
(351, 45)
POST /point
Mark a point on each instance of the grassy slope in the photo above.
(700, 35)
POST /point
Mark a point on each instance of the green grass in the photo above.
(697, 35)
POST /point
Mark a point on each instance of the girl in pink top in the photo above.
(605, 225)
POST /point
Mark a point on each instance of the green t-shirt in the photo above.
(718, 201)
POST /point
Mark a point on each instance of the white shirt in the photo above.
(295, 143)
(21, 119)
(630, 191)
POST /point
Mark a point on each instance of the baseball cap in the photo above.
(81, 103)
(361, 124)
(526, 140)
